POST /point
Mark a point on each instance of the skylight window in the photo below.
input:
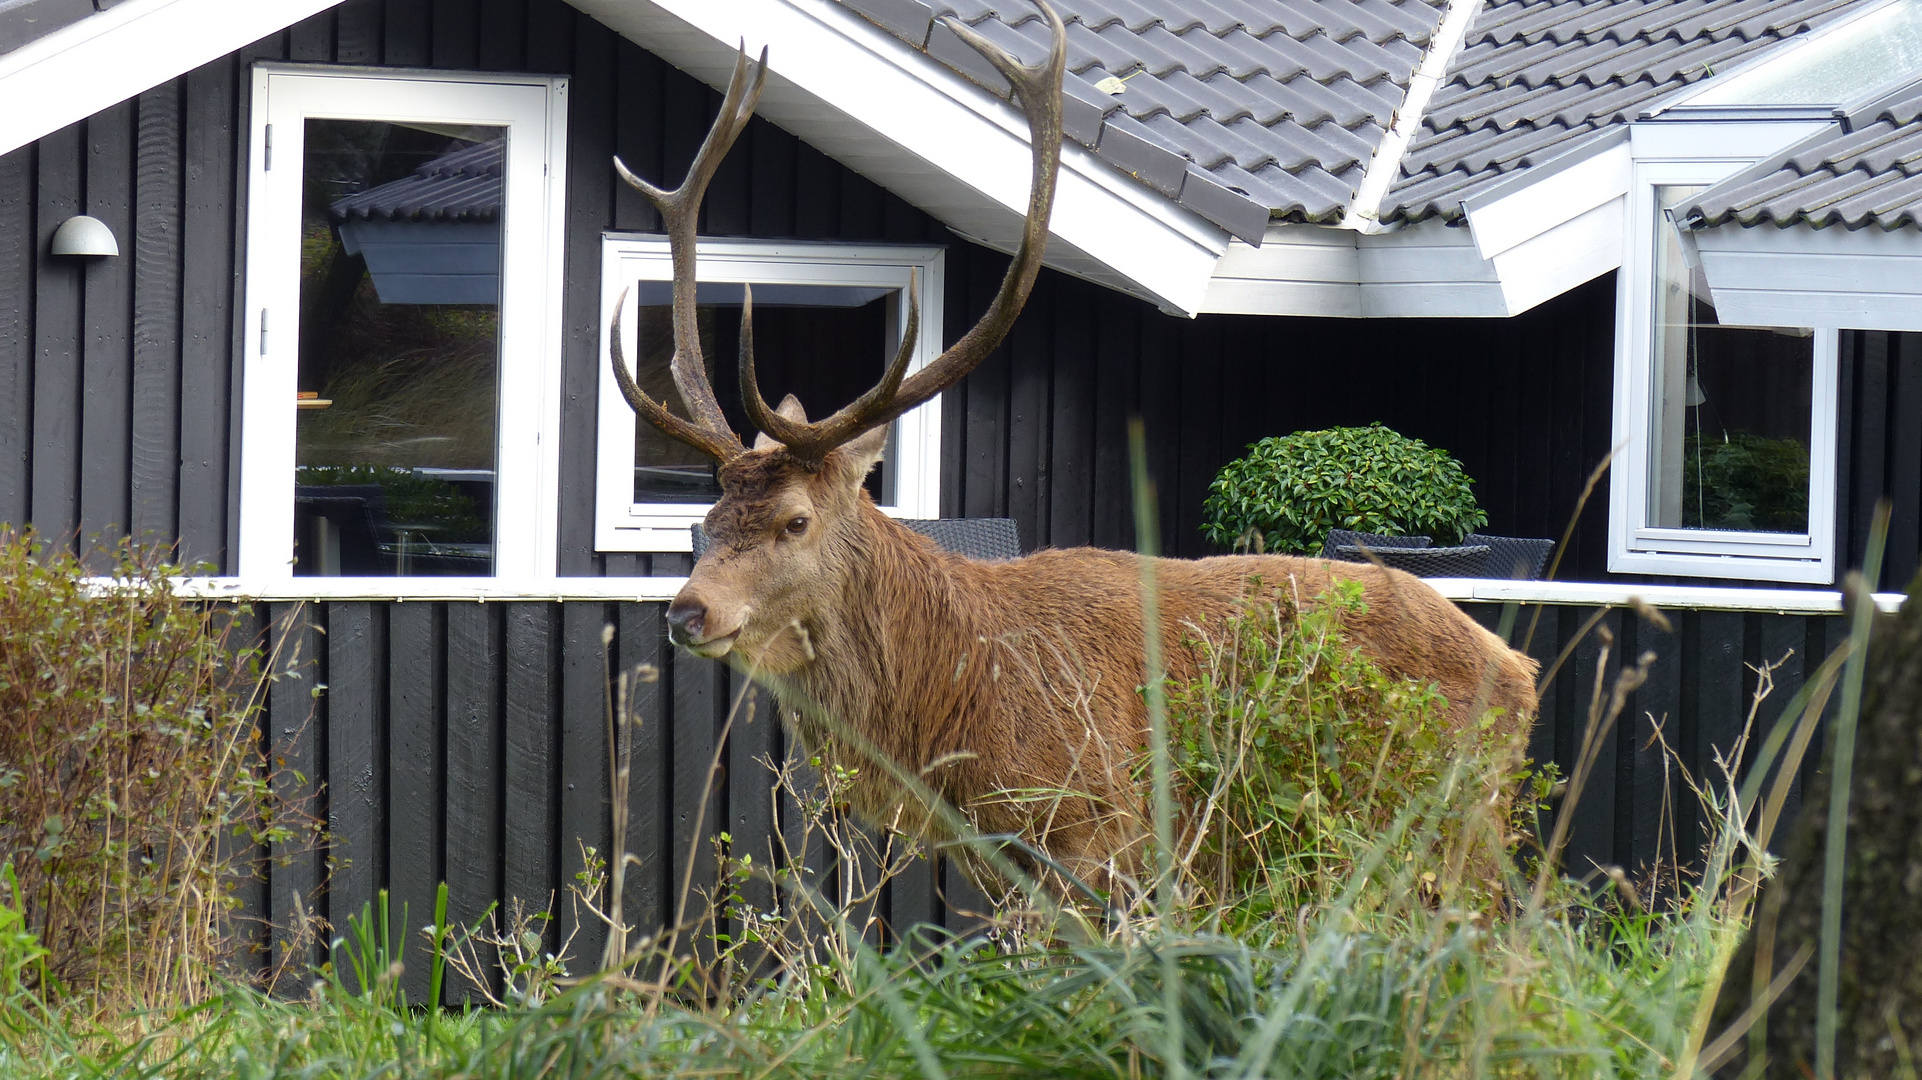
(1846, 64)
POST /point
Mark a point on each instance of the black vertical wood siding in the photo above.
(119, 378)
(465, 743)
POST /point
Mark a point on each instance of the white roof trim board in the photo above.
(108, 57)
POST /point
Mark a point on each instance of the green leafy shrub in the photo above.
(132, 781)
(1745, 481)
(1297, 755)
(1290, 490)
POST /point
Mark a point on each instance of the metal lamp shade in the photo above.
(84, 235)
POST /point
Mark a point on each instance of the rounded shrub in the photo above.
(1288, 491)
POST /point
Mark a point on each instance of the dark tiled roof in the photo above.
(462, 186)
(1866, 170)
(25, 21)
(1238, 109)
(1535, 76)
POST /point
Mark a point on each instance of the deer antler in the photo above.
(706, 429)
(1039, 88)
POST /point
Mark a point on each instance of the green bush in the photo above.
(1743, 481)
(132, 782)
(1290, 490)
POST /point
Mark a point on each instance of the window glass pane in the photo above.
(825, 344)
(399, 349)
(1732, 407)
(1879, 49)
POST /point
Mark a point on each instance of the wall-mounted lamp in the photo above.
(84, 235)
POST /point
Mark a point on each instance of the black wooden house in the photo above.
(350, 351)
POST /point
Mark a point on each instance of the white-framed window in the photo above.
(1725, 436)
(401, 403)
(827, 319)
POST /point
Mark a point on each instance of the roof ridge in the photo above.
(1448, 40)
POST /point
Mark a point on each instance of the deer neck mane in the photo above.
(886, 657)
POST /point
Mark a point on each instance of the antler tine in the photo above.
(1039, 88)
(700, 438)
(859, 416)
(680, 212)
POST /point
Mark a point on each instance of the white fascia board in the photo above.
(1677, 137)
(1827, 278)
(1550, 263)
(110, 56)
(1548, 196)
(1424, 271)
(942, 143)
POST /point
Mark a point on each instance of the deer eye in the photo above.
(798, 526)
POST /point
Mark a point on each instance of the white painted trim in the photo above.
(429, 588)
(1561, 195)
(1480, 590)
(620, 524)
(108, 57)
(1634, 546)
(1364, 210)
(1865, 279)
(1665, 597)
(534, 109)
(889, 112)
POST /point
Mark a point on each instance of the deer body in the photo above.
(1011, 687)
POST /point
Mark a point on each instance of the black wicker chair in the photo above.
(1514, 557)
(1466, 561)
(976, 538)
(1341, 538)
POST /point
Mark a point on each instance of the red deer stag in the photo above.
(985, 677)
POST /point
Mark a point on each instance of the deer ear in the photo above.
(853, 460)
(790, 409)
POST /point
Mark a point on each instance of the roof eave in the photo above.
(885, 110)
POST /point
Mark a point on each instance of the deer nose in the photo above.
(686, 619)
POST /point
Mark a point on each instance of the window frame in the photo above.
(623, 525)
(533, 108)
(1634, 545)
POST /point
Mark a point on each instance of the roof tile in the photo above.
(1864, 171)
(1535, 76)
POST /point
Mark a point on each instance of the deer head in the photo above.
(790, 521)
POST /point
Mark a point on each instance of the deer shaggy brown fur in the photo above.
(1013, 687)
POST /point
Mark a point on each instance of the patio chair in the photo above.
(976, 538)
(1514, 557)
(1465, 561)
(1340, 538)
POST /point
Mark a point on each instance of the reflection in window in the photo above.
(825, 344)
(1731, 411)
(399, 349)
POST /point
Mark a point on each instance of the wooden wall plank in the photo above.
(55, 483)
(1029, 358)
(1649, 786)
(1117, 397)
(17, 236)
(699, 689)
(474, 828)
(640, 80)
(106, 396)
(311, 40)
(985, 476)
(456, 34)
(207, 289)
(357, 32)
(416, 755)
(1905, 461)
(584, 779)
(753, 745)
(550, 36)
(295, 715)
(650, 815)
(407, 32)
(503, 35)
(1071, 419)
(590, 197)
(156, 315)
(533, 778)
(356, 739)
(1714, 709)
